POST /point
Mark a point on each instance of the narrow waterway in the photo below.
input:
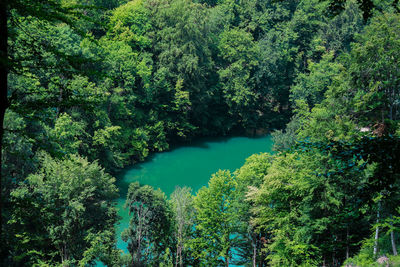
(187, 165)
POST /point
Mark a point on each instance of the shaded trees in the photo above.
(71, 214)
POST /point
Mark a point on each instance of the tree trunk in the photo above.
(376, 240)
(179, 260)
(136, 256)
(138, 253)
(347, 242)
(65, 256)
(139, 242)
(180, 256)
(393, 239)
(260, 245)
(393, 243)
(377, 229)
(254, 241)
(3, 95)
(177, 255)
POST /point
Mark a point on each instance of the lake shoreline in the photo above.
(189, 164)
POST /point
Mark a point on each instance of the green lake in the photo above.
(187, 165)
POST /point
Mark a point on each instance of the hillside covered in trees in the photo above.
(90, 87)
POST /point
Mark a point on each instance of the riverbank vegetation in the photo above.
(90, 87)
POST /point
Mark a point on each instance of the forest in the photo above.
(89, 87)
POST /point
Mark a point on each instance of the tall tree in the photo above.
(71, 214)
(183, 211)
(149, 226)
(215, 220)
(250, 175)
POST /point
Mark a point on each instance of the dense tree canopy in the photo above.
(90, 87)
(71, 214)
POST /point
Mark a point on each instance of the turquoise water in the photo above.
(187, 165)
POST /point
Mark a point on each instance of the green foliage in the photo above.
(114, 81)
(17, 146)
(130, 22)
(249, 176)
(239, 52)
(311, 86)
(68, 133)
(215, 220)
(339, 32)
(283, 140)
(291, 236)
(72, 215)
(149, 226)
(181, 202)
(181, 72)
(373, 57)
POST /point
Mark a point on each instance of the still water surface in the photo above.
(187, 165)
